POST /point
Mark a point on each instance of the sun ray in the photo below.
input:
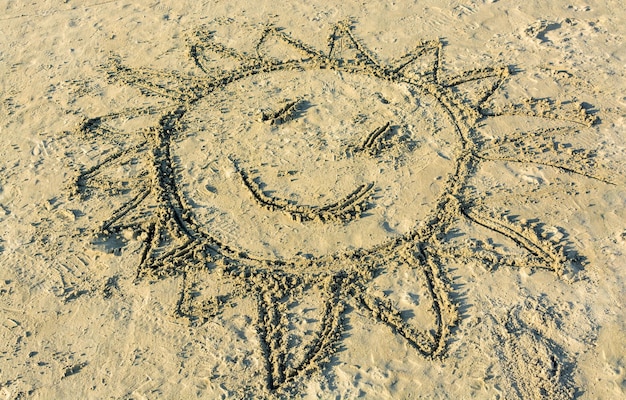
(344, 47)
(516, 147)
(430, 345)
(121, 212)
(289, 46)
(121, 156)
(407, 63)
(492, 258)
(528, 160)
(543, 108)
(151, 82)
(163, 250)
(526, 238)
(273, 302)
(490, 80)
(477, 74)
(203, 42)
(181, 252)
(85, 182)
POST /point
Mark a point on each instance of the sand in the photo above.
(312, 200)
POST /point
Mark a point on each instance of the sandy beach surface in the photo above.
(377, 200)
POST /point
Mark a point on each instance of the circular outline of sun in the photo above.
(174, 243)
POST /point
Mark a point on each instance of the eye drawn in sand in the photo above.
(301, 176)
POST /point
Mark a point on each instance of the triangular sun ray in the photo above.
(342, 34)
(477, 74)
(122, 211)
(100, 125)
(409, 59)
(156, 82)
(273, 310)
(81, 182)
(288, 42)
(492, 258)
(221, 50)
(494, 78)
(430, 345)
(163, 249)
(544, 253)
(543, 108)
(515, 147)
(326, 338)
(564, 168)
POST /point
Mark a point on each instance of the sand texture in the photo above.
(342, 200)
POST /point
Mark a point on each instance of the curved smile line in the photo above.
(347, 208)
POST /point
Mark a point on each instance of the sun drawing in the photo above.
(299, 177)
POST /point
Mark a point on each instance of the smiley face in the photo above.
(317, 154)
(313, 162)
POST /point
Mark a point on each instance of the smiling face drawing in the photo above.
(306, 182)
(314, 163)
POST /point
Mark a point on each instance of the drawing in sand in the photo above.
(303, 177)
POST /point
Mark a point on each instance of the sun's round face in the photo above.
(313, 162)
